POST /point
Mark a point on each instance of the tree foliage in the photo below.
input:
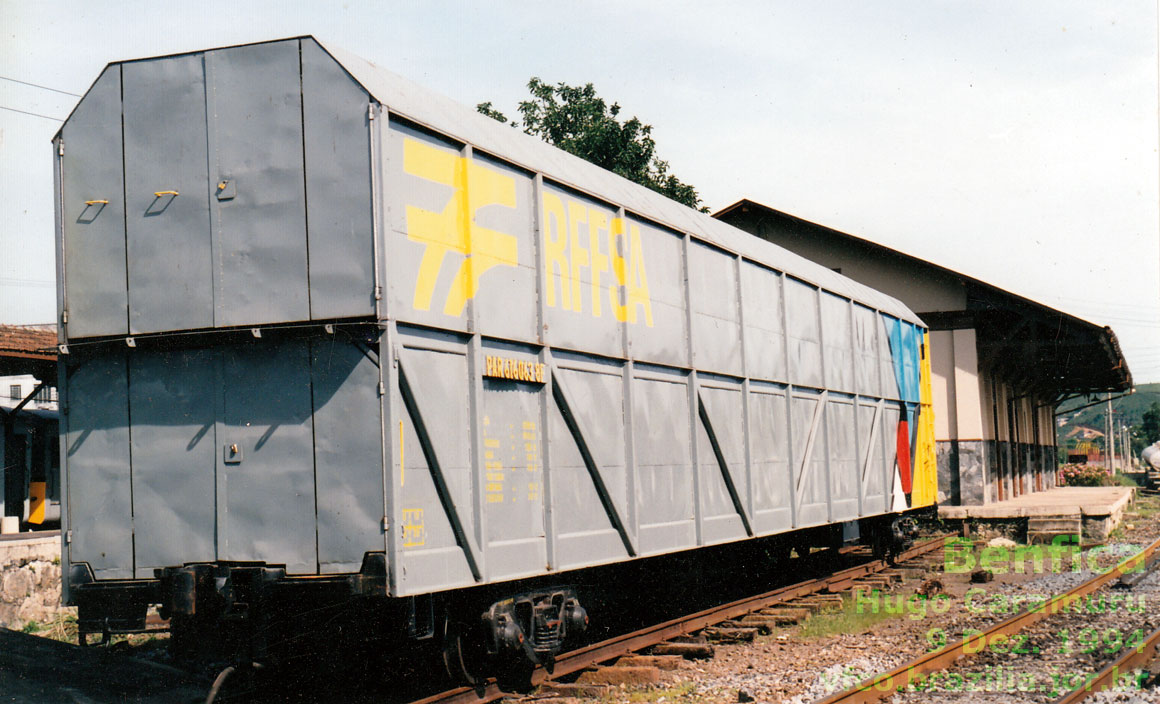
(1150, 427)
(577, 120)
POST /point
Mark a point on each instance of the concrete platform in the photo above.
(1066, 500)
(1097, 508)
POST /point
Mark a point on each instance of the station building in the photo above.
(1001, 363)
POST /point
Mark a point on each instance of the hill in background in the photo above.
(1129, 408)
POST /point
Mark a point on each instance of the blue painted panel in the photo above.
(904, 349)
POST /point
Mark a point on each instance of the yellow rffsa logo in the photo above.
(582, 271)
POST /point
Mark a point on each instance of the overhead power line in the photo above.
(37, 85)
(25, 282)
(34, 114)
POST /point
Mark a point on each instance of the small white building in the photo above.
(15, 388)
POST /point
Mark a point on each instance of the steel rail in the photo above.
(588, 656)
(1106, 678)
(888, 683)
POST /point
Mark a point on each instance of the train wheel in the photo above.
(515, 675)
(458, 657)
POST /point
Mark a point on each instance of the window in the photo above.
(14, 391)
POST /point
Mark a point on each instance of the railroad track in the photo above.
(590, 656)
(1065, 630)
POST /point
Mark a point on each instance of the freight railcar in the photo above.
(328, 336)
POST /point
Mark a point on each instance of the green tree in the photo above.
(1148, 431)
(577, 120)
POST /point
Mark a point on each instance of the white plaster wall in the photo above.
(969, 409)
(942, 382)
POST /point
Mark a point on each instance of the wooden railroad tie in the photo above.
(689, 651)
(724, 634)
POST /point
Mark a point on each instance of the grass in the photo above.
(1121, 480)
(1146, 506)
(683, 692)
(62, 627)
(1145, 509)
(853, 617)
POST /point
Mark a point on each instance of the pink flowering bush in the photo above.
(1084, 475)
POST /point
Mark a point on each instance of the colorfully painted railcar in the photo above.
(323, 327)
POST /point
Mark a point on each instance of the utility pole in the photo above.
(1108, 444)
(1127, 454)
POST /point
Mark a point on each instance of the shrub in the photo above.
(1085, 475)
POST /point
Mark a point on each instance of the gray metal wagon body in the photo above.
(311, 311)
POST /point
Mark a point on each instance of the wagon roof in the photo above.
(442, 114)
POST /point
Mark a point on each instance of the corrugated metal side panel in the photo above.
(761, 308)
(425, 246)
(663, 446)
(503, 264)
(97, 449)
(583, 241)
(886, 368)
(713, 294)
(838, 354)
(658, 329)
(171, 401)
(585, 534)
(336, 139)
(871, 460)
(431, 556)
(255, 110)
(513, 467)
(348, 453)
(809, 459)
(770, 457)
(843, 459)
(168, 235)
(803, 330)
(724, 408)
(268, 484)
(866, 380)
(93, 233)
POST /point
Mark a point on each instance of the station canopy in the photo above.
(1044, 351)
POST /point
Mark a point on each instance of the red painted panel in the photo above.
(904, 456)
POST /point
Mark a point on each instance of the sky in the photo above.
(1015, 142)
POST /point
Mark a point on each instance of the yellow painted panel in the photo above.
(925, 489)
(36, 502)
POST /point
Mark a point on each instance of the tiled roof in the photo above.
(37, 342)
